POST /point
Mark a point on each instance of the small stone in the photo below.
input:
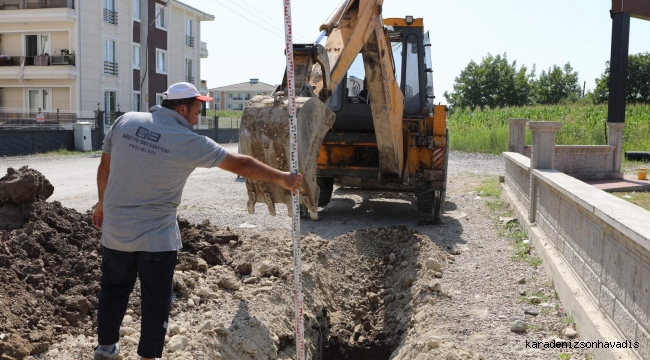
(197, 300)
(534, 299)
(531, 311)
(404, 263)
(407, 283)
(190, 303)
(245, 268)
(130, 340)
(438, 275)
(392, 257)
(373, 298)
(361, 339)
(175, 329)
(125, 331)
(177, 342)
(389, 267)
(232, 244)
(416, 247)
(432, 264)
(207, 326)
(522, 293)
(435, 285)
(518, 326)
(521, 281)
(570, 333)
(127, 320)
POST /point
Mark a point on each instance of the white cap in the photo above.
(184, 90)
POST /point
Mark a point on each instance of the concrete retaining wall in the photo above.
(604, 240)
(584, 162)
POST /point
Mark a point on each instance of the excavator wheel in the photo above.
(326, 186)
(430, 201)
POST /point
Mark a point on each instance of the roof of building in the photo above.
(251, 85)
(206, 16)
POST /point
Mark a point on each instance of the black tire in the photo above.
(425, 197)
(326, 186)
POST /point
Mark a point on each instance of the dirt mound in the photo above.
(24, 186)
(50, 265)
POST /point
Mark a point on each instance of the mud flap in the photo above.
(264, 135)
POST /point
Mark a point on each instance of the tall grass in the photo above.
(487, 131)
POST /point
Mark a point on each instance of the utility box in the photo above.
(82, 137)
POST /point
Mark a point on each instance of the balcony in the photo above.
(204, 87)
(189, 79)
(204, 50)
(35, 4)
(110, 16)
(189, 40)
(38, 67)
(111, 68)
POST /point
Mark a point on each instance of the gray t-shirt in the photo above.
(152, 155)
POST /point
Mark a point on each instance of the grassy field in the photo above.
(487, 131)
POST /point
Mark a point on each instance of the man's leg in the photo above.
(156, 271)
(119, 272)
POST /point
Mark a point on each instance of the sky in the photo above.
(246, 39)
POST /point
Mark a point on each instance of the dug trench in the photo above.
(368, 294)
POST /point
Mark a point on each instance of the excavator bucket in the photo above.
(264, 135)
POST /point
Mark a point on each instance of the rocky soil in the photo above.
(375, 292)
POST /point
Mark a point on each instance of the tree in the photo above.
(493, 83)
(638, 81)
(556, 85)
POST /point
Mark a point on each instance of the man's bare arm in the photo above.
(253, 169)
(102, 178)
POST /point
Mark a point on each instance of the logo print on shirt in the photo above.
(147, 135)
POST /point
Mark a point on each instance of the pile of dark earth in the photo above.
(50, 265)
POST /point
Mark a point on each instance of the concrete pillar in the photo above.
(517, 135)
(542, 157)
(616, 139)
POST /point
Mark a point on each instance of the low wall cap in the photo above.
(544, 125)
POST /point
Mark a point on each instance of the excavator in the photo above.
(396, 139)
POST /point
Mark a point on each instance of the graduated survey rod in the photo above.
(295, 198)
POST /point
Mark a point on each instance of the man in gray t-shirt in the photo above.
(146, 160)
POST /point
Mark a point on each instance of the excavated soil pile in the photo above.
(50, 261)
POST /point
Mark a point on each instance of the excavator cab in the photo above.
(391, 138)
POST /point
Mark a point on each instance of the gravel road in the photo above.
(485, 284)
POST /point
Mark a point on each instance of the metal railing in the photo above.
(35, 4)
(44, 60)
(24, 119)
(110, 16)
(189, 79)
(111, 68)
(189, 40)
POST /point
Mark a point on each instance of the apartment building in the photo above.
(78, 55)
(234, 97)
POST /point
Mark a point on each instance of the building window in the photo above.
(161, 22)
(189, 36)
(110, 15)
(110, 106)
(189, 73)
(38, 99)
(217, 96)
(229, 106)
(159, 99)
(136, 56)
(161, 61)
(229, 95)
(136, 101)
(110, 64)
(136, 10)
(36, 46)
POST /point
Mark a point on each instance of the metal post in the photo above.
(618, 67)
(100, 124)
